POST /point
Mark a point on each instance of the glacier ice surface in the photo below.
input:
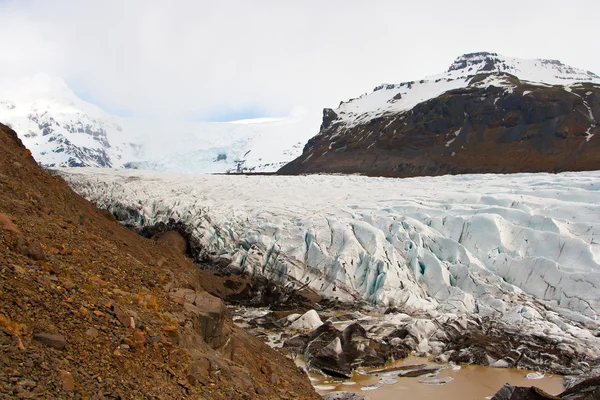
(522, 248)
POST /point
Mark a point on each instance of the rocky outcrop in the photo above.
(476, 121)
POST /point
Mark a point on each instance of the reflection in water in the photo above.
(469, 382)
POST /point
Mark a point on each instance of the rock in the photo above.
(124, 318)
(174, 240)
(92, 332)
(35, 251)
(343, 396)
(509, 392)
(332, 360)
(7, 225)
(338, 353)
(209, 314)
(309, 321)
(139, 337)
(66, 378)
(52, 340)
(411, 371)
(588, 389)
(31, 249)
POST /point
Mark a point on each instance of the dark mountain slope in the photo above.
(496, 123)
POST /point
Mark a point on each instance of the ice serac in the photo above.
(62, 130)
(486, 114)
(525, 254)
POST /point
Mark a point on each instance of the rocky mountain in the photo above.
(62, 130)
(89, 309)
(486, 113)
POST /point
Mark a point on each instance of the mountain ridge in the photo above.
(63, 130)
(486, 113)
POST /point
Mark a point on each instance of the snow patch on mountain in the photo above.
(399, 98)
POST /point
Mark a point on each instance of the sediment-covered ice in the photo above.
(523, 248)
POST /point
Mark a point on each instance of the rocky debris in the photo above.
(343, 396)
(94, 317)
(174, 240)
(338, 353)
(208, 313)
(495, 344)
(509, 392)
(586, 390)
(52, 340)
(259, 291)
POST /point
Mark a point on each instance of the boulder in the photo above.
(588, 389)
(50, 339)
(307, 322)
(332, 360)
(337, 353)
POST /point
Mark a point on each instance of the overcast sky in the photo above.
(216, 60)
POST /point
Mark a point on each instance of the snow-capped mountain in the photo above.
(486, 113)
(59, 128)
(63, 130)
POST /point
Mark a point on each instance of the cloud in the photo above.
(200, 59)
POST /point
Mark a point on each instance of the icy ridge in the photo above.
(526, 248)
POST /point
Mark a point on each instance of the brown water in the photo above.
(470, 382)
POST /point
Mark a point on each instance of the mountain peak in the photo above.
(547, 71)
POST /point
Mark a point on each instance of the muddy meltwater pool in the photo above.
(425, 380)
(468, 382)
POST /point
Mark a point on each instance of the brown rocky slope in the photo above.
(476, 129)
(91, 310)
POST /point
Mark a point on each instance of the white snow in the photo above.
(31, 104)
(593, 124)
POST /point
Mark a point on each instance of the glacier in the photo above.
(522, 248)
